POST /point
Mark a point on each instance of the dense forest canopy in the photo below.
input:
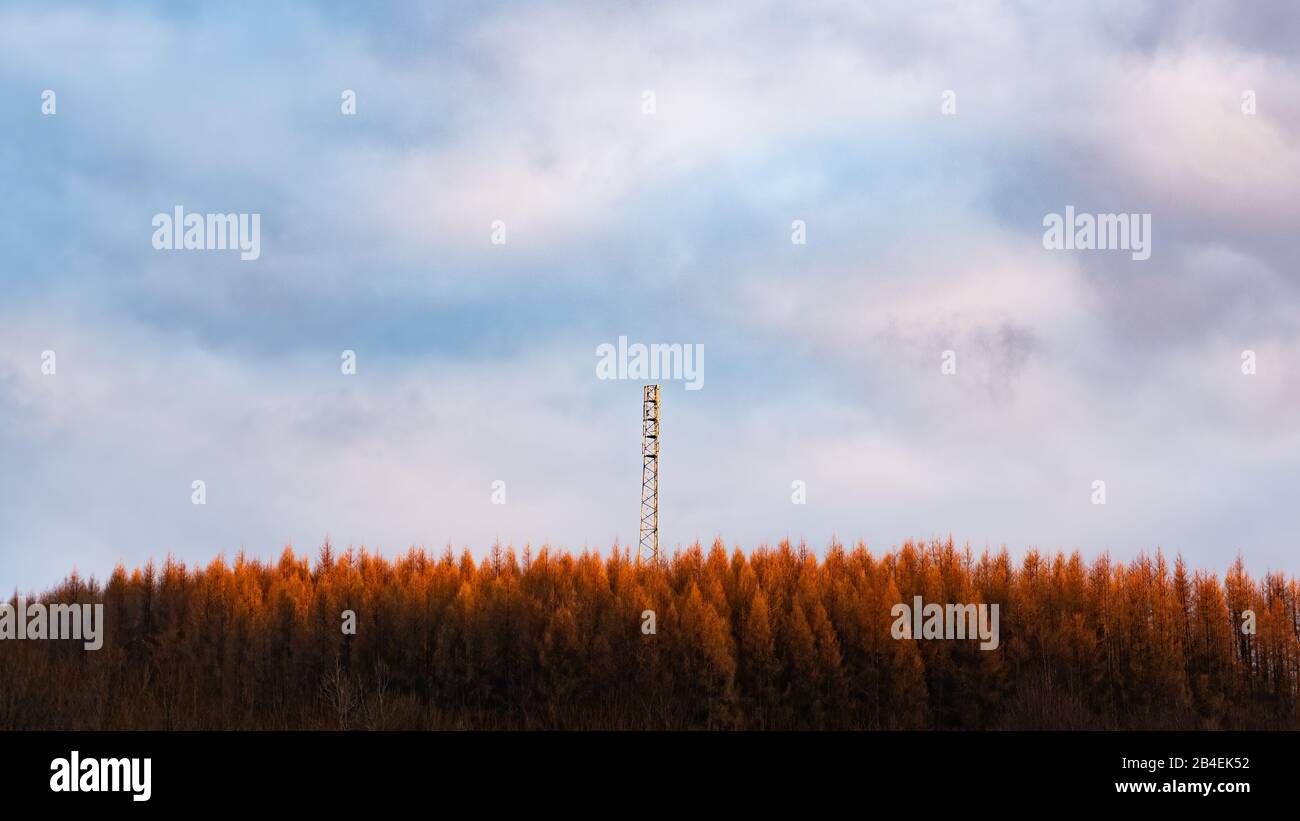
(773, 639)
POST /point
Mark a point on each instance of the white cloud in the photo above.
(924, 236)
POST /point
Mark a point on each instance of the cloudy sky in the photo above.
(476, 361)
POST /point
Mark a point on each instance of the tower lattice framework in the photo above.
(649, 546)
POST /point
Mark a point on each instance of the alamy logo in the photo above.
(951, 621)
(75, 774)
(179, 231)
(82, 622)
(651, 362)
(1101, 232)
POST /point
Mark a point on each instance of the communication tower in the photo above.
(649, 548)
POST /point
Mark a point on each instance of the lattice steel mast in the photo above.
(649, 549)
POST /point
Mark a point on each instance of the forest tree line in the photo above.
(775, 639)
